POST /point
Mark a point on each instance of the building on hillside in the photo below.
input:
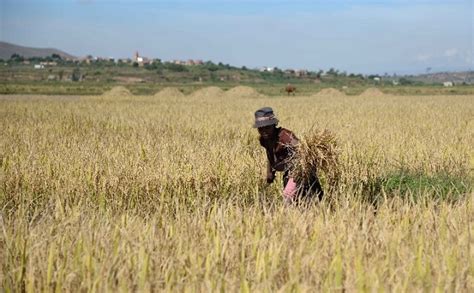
(267, 69)
(49, 64)
(88, 59)
(448, 84)
(178, 62)
(141, 60)
(193, 62)
(189, 62)
(301, 72)
(125, 60)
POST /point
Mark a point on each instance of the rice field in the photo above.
(166, 193)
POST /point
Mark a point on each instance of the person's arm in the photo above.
(293, 141)
(290, 142)
(270, 171)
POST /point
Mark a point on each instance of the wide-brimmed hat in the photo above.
(265, 117)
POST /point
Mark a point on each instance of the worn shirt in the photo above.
(280, 150)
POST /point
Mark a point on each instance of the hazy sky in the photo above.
(359, 36)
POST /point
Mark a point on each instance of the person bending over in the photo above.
(280, 146)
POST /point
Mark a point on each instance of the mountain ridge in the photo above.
(8, 49)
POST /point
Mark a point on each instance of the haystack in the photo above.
(317, 152)
(243, 92)
(372, 92)
(169, 92)
(208, 92)
(118, 91)
(329, 92)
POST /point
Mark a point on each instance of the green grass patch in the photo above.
(412, 185)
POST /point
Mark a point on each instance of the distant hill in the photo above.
(439, 77)
(7, 50)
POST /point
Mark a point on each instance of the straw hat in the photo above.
(265, 117)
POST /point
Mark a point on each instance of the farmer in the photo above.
(280, 145)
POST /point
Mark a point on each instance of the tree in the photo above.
(76, 74)
(333, 72)
(319, 73)
(176, 67)
(153, 66)
(405, 81)
(17, 58)
(211, 66)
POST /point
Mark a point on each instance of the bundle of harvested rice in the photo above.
(208, 92)
(331, 92)
(317, 152)
(372, 92)
(243, 92)
(119, 91)
(169, 92)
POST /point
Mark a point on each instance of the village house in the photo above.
(142, 61)
(189, 62)
(178, 62)
(301, 72)
(49, 64)
(267, 69)
(194, 62)
(297, 72)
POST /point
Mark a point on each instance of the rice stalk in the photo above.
(317, 153)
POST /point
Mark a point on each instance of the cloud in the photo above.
(423, 57)
(451, 52)
(468, 56)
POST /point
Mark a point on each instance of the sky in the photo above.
(356, 36)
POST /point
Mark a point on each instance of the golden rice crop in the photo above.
(156, 194)
(317, 153)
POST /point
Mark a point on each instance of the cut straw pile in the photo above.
(169, 92)
(331, 92)
(208, 92)
(243, 92)
(118, 91)
(373, 92)
(317, 152)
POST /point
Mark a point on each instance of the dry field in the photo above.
(135, 193)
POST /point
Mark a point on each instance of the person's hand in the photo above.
(288, 201)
